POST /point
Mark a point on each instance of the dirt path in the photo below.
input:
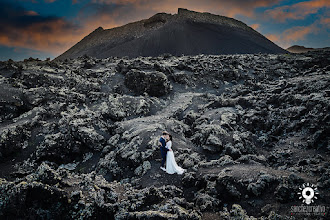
(179, 102)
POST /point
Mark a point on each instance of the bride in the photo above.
(171, 166)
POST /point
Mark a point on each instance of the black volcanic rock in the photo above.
(12, 102)
(78, 138)
(187, 33)
(154, 83)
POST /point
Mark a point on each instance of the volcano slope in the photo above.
(79, 136)
(187, 32)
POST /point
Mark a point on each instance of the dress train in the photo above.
(171, 166)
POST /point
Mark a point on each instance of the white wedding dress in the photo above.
(171, 166)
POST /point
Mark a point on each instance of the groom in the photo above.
(163, 149)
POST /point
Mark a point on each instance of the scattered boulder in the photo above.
(153, 83)
(13, 102)
(228, 188)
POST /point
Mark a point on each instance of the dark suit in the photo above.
(163, 150)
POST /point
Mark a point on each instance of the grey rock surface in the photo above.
(78, 138)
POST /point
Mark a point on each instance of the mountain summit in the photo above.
(186, 32)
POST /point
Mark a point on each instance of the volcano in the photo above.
(184, 33)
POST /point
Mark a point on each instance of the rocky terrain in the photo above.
(78, 137)
(187, 32)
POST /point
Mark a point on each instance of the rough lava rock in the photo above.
(154, 83)
(79, 137)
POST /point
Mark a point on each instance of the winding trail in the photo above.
(179, 102)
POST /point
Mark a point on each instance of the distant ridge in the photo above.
(187, 33)
(302, 49)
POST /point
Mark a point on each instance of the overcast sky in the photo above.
(47, 28)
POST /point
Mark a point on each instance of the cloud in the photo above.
(31, 13)
(298, 33)
(32, 1)
(325, 21)
(255, 26)
(273, 37)
(224, 7)
(296, 11)
(294, 34)
(38, 1)
(28, 29)
(94, 15)
(121, 2)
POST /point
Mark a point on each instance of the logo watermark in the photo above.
(308, 193)
(317, 210)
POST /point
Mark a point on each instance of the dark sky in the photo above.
(47, 28)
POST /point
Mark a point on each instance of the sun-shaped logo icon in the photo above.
(308, 192)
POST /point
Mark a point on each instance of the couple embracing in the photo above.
(165, 143)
